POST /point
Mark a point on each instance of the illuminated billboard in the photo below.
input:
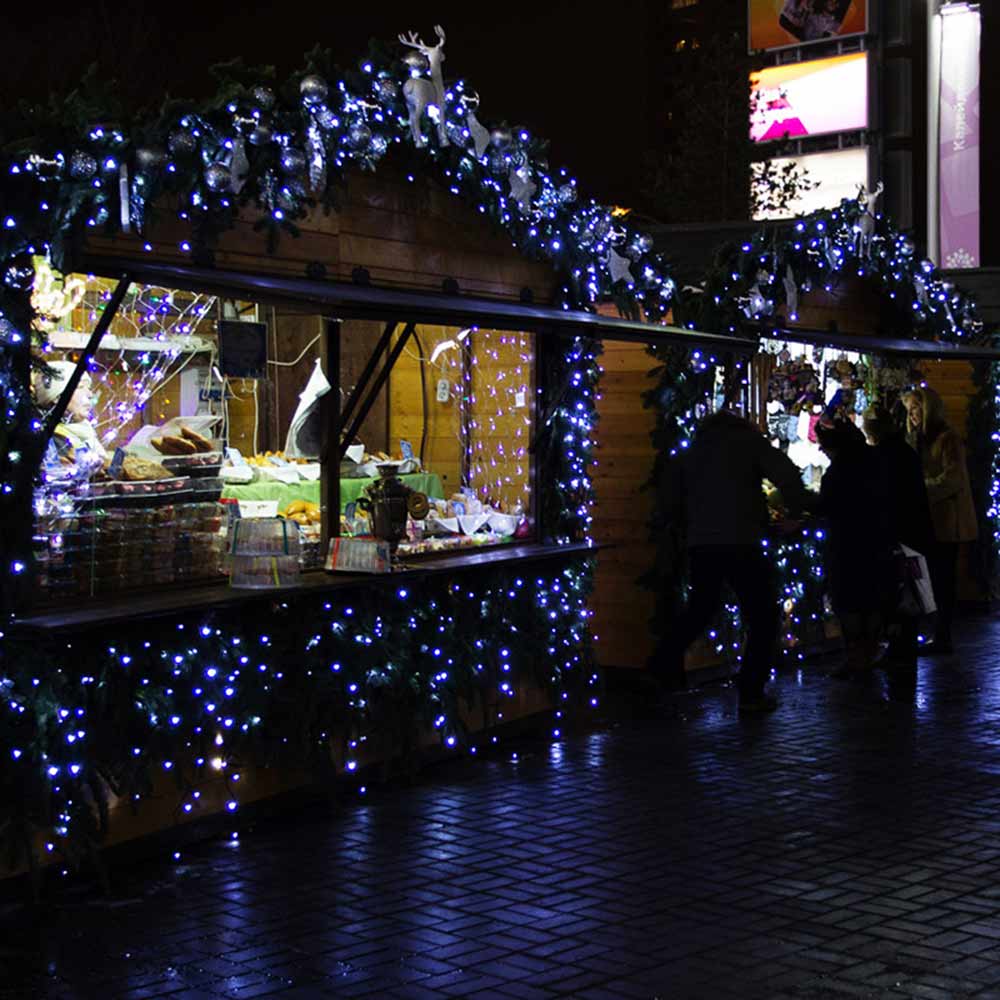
(809, 98)
(778, 24)
(836, 175)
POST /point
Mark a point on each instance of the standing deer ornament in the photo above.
(421, 93)
(865, 226)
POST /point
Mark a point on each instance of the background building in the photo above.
(857, 92)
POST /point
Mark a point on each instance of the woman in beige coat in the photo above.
(946, 474)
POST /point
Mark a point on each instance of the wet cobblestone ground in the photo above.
(847, 846)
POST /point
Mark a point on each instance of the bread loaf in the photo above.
(200, 443)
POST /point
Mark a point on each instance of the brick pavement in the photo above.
(846, 847)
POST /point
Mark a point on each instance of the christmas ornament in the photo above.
(316, 152)
(293, 161)
(313, 89)
(45, 169)
(417, 61)
(497, 162)
(480, 135)
(149, 158)
(19, 278)
(261, 135)
(791, 292)
(359, 135)
(182, 142)
(421, 93)
(566, 194)
(326, 119)
(82, 165)
(386, 90)
(501, 137)
(619, 267)
(217, 177)
(264, 98)
(865, 226)
(239, 166)
(522, 187)
(379, 145)
(456, 133)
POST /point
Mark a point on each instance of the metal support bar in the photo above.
(363, 379)
(376, 388)
(110, 310)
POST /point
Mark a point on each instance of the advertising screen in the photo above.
(809, 98)
(777, 24)
(836, 176)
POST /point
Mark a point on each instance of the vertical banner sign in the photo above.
(958, 144)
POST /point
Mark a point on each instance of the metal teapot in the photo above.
(389, 500)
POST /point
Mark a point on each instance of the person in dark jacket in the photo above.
(910, 513)
(855, 499)
(720, 490)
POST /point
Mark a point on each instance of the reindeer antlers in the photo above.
(415, 43)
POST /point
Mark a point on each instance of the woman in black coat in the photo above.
(855, 500)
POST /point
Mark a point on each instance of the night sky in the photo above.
(575, 78)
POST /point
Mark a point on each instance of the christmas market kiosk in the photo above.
(847, 314)
(297, 455)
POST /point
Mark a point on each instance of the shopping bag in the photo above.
(916, 595)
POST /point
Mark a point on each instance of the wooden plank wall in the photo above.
(622, 609)
(406, 235)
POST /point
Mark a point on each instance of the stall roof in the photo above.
(350, 301)
(884, 345)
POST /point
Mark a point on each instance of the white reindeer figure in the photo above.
(865, 226)
(421, 92)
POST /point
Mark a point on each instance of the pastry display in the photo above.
(141, 470)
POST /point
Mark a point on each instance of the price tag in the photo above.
(234, 456)
(406, 450)
(258, 508)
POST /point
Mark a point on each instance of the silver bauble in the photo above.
(217, 177)
(645, 242)
(386, 91)
(567, 194)
(501, 137)
(586, 237)
(359, 135)
(379, 145)
(19, 278)
(517, 156)
(293, 161)
(182, 142)
(82, 165)
(601, 228)
(313, 89)
(261, 135)
(264, 97)
(416, 60)
(149, 158)
(326, 118)
(457, 135)
(497, 162)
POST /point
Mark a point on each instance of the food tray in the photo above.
(149, 487)
(202, 463)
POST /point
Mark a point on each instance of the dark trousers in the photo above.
(943, 566)
(748, 572)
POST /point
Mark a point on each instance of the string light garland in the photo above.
(759, 282)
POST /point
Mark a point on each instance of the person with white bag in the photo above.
(914, 534)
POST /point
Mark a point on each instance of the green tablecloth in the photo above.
(350, 490)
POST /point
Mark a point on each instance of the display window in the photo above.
(198, 414)
(454, 423)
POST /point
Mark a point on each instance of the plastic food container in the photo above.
(263, 572)
(150, 487)
(264, 536)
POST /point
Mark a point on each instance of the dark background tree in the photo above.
(701, 160)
